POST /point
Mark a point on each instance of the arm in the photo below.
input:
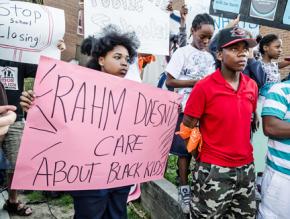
(234, 22)
(183, 14)
(189, 121)
(182, 36)
(283, 64)
(255, 123)
(172, 82)
(276, 128)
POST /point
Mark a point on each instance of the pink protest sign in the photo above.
(91, 130)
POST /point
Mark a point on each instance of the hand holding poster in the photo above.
(150, 23)
(29, 30)
(90, 130)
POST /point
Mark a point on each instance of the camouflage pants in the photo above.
(222, 192)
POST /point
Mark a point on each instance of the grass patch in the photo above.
(64, 201)
(35, 196)
(171, 173)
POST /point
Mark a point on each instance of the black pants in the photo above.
(101, 204)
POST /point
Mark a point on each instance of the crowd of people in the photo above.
(221, 79)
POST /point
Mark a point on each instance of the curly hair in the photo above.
(201, 19)
(266, 41)
(111, 36)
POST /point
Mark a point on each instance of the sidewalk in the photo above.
(3, 214)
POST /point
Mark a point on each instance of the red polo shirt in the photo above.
(224, 118)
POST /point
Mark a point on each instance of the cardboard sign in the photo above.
(90, 130)
(273, 13)
(150, 23)
(29, 30)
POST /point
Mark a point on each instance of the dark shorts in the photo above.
(101, 204)
(178, 146)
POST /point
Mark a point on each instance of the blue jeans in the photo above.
(101, 204)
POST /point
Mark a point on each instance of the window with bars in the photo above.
(80, 29)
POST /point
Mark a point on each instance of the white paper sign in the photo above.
(28, 31)
(150, 22)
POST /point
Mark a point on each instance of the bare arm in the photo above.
(172, 82)
(189, 121)
(283, 64)
(276, 128)
(255, 123)
(183, 14)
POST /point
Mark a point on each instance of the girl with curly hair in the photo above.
(111, 52)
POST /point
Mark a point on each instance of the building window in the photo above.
(80, 29)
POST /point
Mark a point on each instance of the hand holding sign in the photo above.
(7, 118)
(88, 130)
(26, 100)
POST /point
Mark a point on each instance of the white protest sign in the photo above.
(29, 30)
(150, 23)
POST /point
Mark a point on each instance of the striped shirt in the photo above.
(277, 104)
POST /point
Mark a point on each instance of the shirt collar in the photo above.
(217, 76)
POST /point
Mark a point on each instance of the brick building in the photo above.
(74, 27)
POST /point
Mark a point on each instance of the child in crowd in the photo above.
(271, 48)
(187, 66)
(222, 105)
(111, 52)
